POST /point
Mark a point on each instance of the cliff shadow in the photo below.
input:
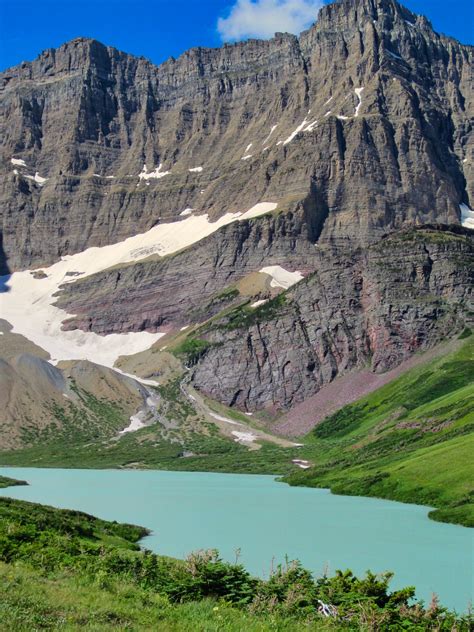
(4, 269)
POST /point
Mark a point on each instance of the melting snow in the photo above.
(281, 277)
(297, 131)
(259, 209)
(37, 178)
(244, 437)
(187, 211)
(328, 113)
(19, 162)
(248, 147)
(271, 132)
(258, 303)
(184, 328)
(246, 157)
(342, 118)
(28, 303)
(467, 216)
(196, 169)
(225, 419)
(358, 92)
(311, 126)
(157, 173)
(329, 100)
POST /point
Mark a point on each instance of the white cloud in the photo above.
(263, 18)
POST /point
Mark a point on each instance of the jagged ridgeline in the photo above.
(297, 209)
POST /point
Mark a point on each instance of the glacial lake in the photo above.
(267, 521)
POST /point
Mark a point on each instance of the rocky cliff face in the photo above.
(359, 131)
(369, 308)
(167, 292)
(364, 118)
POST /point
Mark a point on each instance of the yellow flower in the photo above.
(216, 608)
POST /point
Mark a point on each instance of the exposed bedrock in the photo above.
(177, 289)
(85, 118)
(370, 308)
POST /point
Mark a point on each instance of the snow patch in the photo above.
(195, 169)
(329, 100)
(156, 173)
(37, 178)
(19, 162)
(244, 437)
(259, 209)
(142, 380)
(184, 328)
(281, 277)
(248, 147)
(328, 113)
(225, 419)
(136, 423)
(187, 211)
(300, 128)
(258, 303)
(358, 92)
(246, 157)
(311, 126)
(29, 303)
(342, 118)
(271, 132)
(467, 216)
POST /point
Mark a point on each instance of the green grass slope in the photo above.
(412, 440)
(66, 570)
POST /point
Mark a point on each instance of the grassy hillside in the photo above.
(411, 440)
(65, 570)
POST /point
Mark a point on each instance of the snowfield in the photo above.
(155, 173)
(28, 302)
(281, 277)
(467, 216)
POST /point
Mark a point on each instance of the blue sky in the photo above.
(158, 29)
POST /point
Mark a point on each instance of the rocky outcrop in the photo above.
(158, 293)
(76, 400)
(85, 118)
(370, 308)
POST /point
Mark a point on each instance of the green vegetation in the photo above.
(10, 482)
(411, 441)
(191, 349)
(245, 316)
(65, 570)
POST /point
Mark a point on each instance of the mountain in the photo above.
(370, 112)
(250, 225)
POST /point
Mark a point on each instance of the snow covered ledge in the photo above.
(467, 216)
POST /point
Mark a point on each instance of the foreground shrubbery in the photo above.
(61, 567)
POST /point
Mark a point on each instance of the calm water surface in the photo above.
(267, 520)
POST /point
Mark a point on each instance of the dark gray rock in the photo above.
(85, 108)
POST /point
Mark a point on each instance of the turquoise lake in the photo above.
(267, 521)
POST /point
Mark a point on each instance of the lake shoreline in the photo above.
(170, 503)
